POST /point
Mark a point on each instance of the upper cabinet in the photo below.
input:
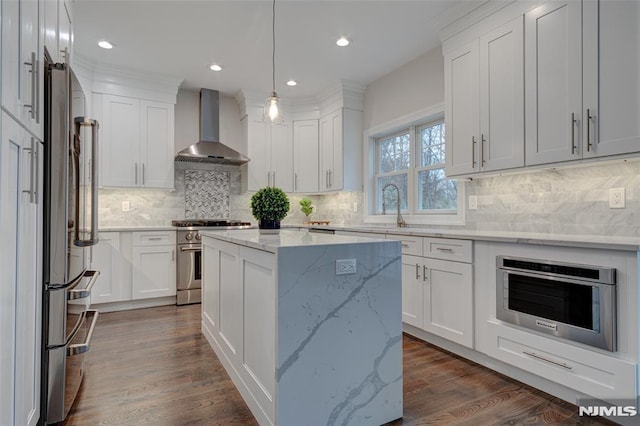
(269, 146)
(22, 64)
(577, 91)
(305, 156)
(56, 20)
(340, 135)
(484, 102)
(136, 141)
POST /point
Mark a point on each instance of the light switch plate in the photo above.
(473, 202)
(125, 206)
(346, 266)
(616, 198)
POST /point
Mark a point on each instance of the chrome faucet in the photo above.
(399, 220)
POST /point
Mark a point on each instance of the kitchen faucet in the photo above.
(399, 220)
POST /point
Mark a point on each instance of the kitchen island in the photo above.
(307, 325)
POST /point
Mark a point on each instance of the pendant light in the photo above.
(272, 108)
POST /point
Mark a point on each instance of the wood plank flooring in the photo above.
(153, 366)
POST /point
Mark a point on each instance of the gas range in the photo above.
(189, 249)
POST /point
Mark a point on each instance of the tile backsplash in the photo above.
(571, 200)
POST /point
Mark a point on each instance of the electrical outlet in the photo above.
(616, 198)
(473, 202)
(346, 266)
(355, 206)
(125, 206)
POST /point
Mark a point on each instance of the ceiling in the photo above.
(182, 38)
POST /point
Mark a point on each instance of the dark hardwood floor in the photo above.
(153, 366)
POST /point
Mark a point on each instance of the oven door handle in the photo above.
(82, 293)
(190, 249)
(79, 348)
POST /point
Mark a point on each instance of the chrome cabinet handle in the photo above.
(274, 178)
(36, 167)
(136, 172)
(329, 177)
(482, 141)
(34, 82)
(83, 347)
(143, 174)
(417, 271)
(446, 250)
(295, 181)
(473, 151)
(559, 364)
(154, 238)
(425, 272)
(31, 155)
(326, 179)
(589, 118)
(573, 132)
(404, 245)
(173, 255)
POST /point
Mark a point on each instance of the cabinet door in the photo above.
(120, 141)
(231, 294)
(258, 151)
(461, 74)
(305, 151)
(502, 97)
(106, 258)
(210, 287)
(156, 144)
(64, 30)
(553, 82)
(281, 153)
(611, 89)
(448, 300)
(331, 152)
(412, 291)
(154, 272)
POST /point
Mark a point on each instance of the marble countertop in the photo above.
(134, 228)
(284, 238)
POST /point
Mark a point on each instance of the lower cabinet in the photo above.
(437, 294)
(134, 266)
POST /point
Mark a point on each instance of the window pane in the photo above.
(435, 192)
(394, 153)
(432, 145)
(391, 195)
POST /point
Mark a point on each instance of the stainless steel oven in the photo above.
(572, 301)
(189, 249)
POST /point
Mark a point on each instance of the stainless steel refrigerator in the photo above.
(70, 228)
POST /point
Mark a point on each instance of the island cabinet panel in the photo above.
(300, 338)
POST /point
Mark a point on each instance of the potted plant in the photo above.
(306, 208)
(269, 206)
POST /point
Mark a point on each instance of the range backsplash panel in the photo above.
(206, 194)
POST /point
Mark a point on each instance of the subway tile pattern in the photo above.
(206, 194)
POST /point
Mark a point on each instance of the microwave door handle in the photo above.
(79, 348)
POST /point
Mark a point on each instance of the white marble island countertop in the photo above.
(285, 238)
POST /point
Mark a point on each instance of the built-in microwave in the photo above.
(570, 301)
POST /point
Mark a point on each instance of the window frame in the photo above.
(411, 123)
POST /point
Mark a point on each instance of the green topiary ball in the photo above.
(269, 203)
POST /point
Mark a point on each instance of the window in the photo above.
(413, 160)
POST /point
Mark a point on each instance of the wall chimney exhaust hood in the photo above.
(209, 149)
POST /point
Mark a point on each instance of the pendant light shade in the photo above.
(272, 111)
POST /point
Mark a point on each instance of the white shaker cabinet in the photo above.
(484, 102)
(305, 156)
(611, 73)
(137, 142)
(106, 257)
(56, 20)
(153, 264)
(340, 136)
(21, 162)
(412, 291)
(271, 153)
(553, 85)
(22, 67)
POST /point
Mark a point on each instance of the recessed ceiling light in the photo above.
(215, 67)
(105, 44)
(342, 42)
(292, 83)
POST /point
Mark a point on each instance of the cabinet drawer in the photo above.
(410, 245)
(154, 238)
(447, 249)
(589, 372)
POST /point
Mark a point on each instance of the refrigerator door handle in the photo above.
(93, 234)
(79, 348)
(81, 293)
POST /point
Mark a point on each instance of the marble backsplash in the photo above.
(570, 200)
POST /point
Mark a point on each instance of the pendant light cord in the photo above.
(273, 55)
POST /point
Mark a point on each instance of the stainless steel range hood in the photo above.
(209, 149)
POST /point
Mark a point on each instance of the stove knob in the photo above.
(189, 236)
(198, 236)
